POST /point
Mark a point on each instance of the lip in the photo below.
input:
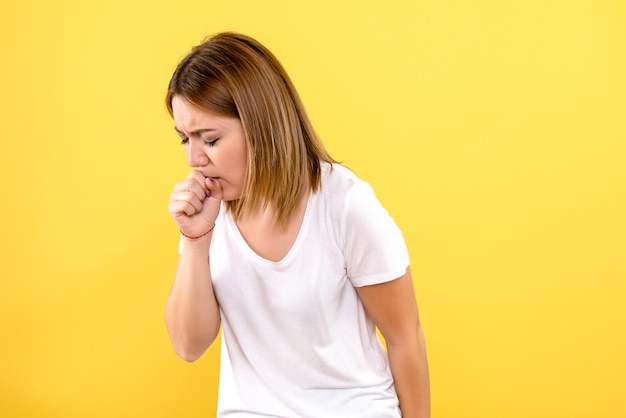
(214, 179)
(207, 176)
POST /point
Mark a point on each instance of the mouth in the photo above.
(208, 176)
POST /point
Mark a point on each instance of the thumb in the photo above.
(214, 189)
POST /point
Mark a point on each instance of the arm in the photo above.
(393, 308)
(192, 315)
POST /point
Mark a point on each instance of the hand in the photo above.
(195, 203)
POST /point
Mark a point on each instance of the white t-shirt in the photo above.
(296, 339)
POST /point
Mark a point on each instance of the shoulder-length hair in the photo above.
(234, 75)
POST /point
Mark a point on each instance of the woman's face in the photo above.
(215, 145)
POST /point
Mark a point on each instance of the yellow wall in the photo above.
(494, 131)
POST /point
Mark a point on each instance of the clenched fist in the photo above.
(195, 204)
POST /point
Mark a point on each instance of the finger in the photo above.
(192, 185)
(199, 183)
(179, 208)
(214, 188)
(187, 197)
(189, 210)
(198, 190)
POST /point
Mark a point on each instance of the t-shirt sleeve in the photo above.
(373, 245)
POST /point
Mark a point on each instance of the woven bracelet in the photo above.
(199, 236)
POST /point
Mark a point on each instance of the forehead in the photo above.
(189, 117)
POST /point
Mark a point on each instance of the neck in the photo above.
(266, 215)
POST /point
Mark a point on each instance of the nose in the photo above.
(196, 155)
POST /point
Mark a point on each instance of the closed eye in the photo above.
(185, 140)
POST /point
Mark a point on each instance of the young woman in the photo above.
(285, 249)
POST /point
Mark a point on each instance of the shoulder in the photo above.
(340, 186)
(372, 244)
(347, 198)
(338, 181)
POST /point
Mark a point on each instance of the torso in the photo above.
(296, 339)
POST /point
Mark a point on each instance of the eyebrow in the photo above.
(194, 133)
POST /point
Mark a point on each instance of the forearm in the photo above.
(409, 367)
(192, 312)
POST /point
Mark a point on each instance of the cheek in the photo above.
(243, 157)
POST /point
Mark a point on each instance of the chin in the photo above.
(230, 198)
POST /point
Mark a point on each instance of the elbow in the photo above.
(191, 351)
(191, 340)
(191, 347)
(187, 354)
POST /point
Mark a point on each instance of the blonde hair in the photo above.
(234, 75)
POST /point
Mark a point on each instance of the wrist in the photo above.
(192, 237)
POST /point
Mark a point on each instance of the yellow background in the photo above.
(494, 132)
